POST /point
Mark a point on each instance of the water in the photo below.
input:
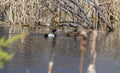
(33, 54)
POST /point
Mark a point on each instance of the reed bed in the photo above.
(86, 14)
(64, 15)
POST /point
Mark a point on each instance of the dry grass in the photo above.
(32, 12)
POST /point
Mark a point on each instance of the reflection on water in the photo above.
(109, 45)
(34, 54)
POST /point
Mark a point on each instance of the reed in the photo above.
(91, 67)
(83, 48)
(97, 14)
(50, 67)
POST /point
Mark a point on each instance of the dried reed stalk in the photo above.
(92, 68)
(83, 48)
(50, 67)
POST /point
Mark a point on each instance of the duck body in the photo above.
(50, 35)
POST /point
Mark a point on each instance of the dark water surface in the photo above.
(33, 54)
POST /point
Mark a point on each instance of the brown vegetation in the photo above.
(87, 14)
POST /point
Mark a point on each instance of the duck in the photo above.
(51, 35)
(73, 34)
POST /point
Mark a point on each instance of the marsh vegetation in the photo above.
(96, 17)
(65, 15)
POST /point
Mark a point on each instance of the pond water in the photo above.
(33, 54)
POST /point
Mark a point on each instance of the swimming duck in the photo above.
(73, 34)
(51, 35)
